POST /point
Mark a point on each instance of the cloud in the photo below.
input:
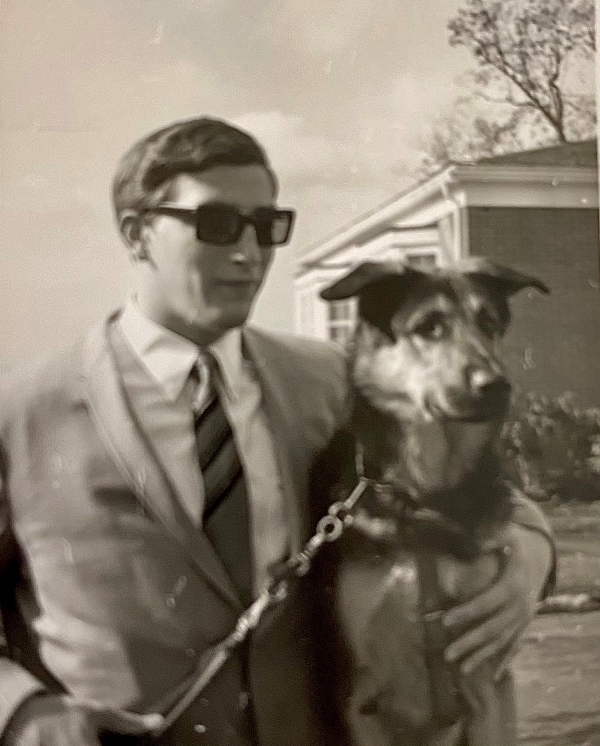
(86, 69)
(366, 150)
(415, 98)
(329, 180)
(292, 150)
(319, 27)
(152, 94)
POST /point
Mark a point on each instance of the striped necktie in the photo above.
(226, 520)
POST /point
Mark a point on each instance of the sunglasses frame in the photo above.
(245, 218)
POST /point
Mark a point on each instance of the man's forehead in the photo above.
(249, 185)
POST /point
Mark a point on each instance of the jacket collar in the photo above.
(103, 390)
(110, 410)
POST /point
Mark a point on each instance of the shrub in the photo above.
(553, 448)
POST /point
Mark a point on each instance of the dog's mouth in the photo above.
(490, 404)
(479, 414)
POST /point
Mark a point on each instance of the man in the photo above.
(153, 473)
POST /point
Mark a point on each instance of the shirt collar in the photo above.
(169, 357)
(228, 352)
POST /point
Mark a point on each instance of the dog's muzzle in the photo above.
(486, 402)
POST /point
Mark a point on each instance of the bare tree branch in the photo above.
(508, 99)
(517, 95)
(527, 42)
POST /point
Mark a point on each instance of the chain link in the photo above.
(329, 529)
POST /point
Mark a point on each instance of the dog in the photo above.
(430, 395)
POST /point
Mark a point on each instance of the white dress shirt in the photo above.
(164, 402)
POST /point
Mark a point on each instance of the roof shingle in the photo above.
(583, 154)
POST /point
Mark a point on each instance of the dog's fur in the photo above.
(430, 396)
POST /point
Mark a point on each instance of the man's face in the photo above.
(195, 288)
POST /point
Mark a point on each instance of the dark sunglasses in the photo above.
(222, 224)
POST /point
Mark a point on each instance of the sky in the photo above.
(339, 92)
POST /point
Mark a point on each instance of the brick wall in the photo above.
(554, 342)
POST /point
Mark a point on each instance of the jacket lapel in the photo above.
(276, 377)
(301, 424)
(137, 462)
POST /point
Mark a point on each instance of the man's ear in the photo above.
(503, 280)
(131, 228)
(364, 276)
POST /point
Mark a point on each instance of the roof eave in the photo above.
(525, 174)
(456, 173)
(355, 232)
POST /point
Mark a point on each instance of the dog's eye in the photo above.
(488, 323)
(432, 327)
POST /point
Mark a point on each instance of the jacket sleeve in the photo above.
(528, 515)
(16, 683)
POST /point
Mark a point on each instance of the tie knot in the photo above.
(204, 389)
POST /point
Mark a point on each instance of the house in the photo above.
(535, 210)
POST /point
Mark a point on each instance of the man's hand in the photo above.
(49, 720)
(58, 720)
(490, 624)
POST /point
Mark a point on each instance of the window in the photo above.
(306, 312)
(421, 259)
(341, 318)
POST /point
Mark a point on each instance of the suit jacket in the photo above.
(108, 592)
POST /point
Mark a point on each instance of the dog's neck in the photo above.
(452, 467)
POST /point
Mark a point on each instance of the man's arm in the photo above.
(28, 713)
(496, 618)
(16, 683)
(534, 531)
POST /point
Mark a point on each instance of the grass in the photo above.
(576, 528)
(557, 670)
(557, 677)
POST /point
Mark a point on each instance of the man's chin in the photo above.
(234, 317)
(206, 327)
(240, 292)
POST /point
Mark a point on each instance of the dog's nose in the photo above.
(488, 383)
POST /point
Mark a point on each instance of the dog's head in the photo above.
(426, 343)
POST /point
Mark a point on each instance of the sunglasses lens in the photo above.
(222, 225)
(272, 226)
(218, 224)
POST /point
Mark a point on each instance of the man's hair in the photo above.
(145, 172)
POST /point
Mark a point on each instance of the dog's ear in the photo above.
(379, 286)
(364, 276)
(505, 280)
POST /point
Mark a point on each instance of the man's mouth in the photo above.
(239, 281)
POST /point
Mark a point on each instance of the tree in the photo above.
(472, 129)
(533, 84)
(523, 48)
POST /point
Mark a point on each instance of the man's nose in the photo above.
(247, 250)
